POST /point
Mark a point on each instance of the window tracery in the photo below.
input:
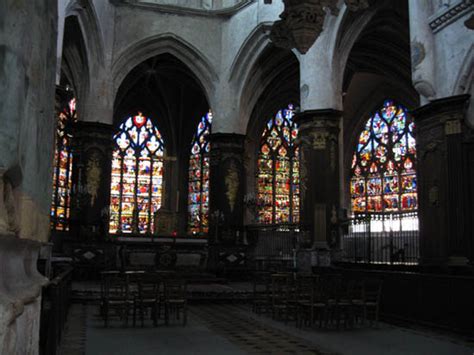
(198, 180)
(383, 165)
(278, 196)
(137, 176)
(62, 170)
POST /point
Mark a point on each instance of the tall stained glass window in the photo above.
(198, 183)
(62, 174)
(383, 166)
(137, 176)
(278, 170)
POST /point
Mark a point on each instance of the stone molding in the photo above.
(182, 10)
(443, 19)
(20, 286)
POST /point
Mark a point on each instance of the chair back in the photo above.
(175, 289)
(281, 288)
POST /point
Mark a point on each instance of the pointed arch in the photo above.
(87, 17)
(169, 43)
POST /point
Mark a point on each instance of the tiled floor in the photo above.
(233, 329)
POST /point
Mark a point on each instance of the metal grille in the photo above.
(382, 238)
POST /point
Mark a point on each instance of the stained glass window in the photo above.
(62, 173)
(198, 183)
(278, 170)
(137, 176)
(383, 166)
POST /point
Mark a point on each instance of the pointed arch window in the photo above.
(278, 196)
(137, 176)
(383, 165)
(198, 181)
(62, 173)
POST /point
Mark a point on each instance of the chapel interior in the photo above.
(236, 177)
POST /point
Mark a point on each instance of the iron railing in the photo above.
(275, 245)
(55, 305)
(382, 238)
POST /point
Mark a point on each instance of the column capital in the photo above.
(319, 117)
(447, 108)
(227, 140)
(317, 127)
(93, 130)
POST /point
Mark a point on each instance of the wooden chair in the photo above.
(283, 295)
(356, 296)
(261, 292)
(175, 299)
(116, 298)
(103, 276)
(371, 300)
(339, 304)
(148, 298)
(313, 302)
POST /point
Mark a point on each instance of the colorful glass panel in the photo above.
(137, 176)
(198, 180)
(62, 173)
(383, 170)
(278, 171)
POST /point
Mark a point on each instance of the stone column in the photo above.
(319, 159)
(92, 157)
(226, 188)
(422, 49)
(444, 181)
(20, 296)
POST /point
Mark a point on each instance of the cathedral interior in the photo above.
(236, 176)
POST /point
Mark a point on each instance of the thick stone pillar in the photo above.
(319, 159)
(92, 157)
(445, 181)
(28, 32)
(27, 70)
(226, 188)
(20, 296)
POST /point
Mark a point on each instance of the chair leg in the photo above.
(167, 321)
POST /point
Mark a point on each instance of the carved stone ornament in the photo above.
(232, 185)
(418, 53)
(452, 127)
(319, 139)
(93, 176)
(302, 22)
(356, 5)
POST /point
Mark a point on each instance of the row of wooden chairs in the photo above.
(329, 299)
(139, 293)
